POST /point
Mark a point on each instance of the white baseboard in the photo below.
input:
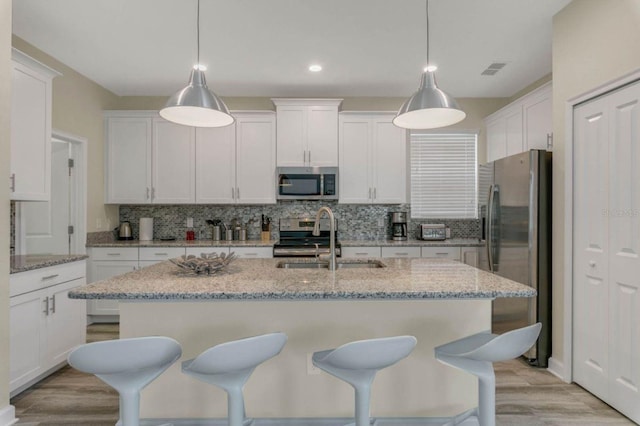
(8, 416)
(557, 369)
(405, 421)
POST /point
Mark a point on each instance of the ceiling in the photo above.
(264, 47)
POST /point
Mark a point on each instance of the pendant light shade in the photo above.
(429, 107)
(196, 105)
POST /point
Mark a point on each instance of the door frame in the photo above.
(79, 238)
(563, 368)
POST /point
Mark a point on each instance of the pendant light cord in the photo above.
(427, 11)
(198, 36)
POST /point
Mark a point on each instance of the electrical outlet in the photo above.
(189, 222)
(312, 370)
(380, 222)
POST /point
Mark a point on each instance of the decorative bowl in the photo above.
(206, 264)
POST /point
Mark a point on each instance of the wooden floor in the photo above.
(525, 396)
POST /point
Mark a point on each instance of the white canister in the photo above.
(146, 229)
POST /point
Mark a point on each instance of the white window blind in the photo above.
(444, 175)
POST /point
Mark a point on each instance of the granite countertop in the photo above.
(22, 263)
(259, 279)
(466, 242)
(184, 243)
(455, 242)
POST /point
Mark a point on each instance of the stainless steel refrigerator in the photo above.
(515, 208)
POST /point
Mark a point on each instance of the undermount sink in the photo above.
(368, 264)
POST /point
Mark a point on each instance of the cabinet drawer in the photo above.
(160, 253)
(400, 251)
(360, 251)
(441, 252)
(24, 282)
(114, 253)
(253, 252)
(197, 251)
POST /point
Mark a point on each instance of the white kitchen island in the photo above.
(435, 300)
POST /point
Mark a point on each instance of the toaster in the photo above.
(433, 231)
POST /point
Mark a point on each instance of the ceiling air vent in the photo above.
(493, 68)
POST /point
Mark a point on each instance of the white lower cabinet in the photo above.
(253, 252)
(452, 253)
(44, 323)
(400, 251)
(351, 252)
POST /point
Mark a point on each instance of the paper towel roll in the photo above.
(146, 228)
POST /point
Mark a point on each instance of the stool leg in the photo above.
(363, 400)
(487, 399)
(130, 408)
(235, 406)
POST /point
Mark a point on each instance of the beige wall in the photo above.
(77, 109)
(594, 42)
(5, 112)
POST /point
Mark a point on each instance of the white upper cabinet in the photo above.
(522, 125)
(173, 169)
(236, 164)
(255, 158)
(373, 159)
(216, 165)
(31, 84)
(307, 132)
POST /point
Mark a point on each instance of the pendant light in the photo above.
(196, 105)
(429, 107)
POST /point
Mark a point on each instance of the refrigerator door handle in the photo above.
(488, 232)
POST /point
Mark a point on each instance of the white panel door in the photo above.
(173, 168)
(216, 165)
(255, 159)
(322, 136)
(355, 165)
(30, 134)
(389, 178)
(624, 250)
(591, 252)
(66, 322)
(128, 174)
(292, 136)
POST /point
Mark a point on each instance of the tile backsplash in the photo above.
(355, 221)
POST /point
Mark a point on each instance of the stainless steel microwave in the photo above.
(307, 183)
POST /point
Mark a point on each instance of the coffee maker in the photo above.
(398, 226)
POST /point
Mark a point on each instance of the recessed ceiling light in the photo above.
(315, 68)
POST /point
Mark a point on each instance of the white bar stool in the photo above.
(476, 354)
(127, 365)
(229, 366)
(358, 362)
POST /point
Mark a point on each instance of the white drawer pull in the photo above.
(49, 277)
(113, 254)
(251, 254)
(402, 254)
(362, 254)
(161, 254)
(442, 254)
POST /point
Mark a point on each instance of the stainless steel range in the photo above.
(296, 238)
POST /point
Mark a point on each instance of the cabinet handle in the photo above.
(46, 306)
(53, 304)
(304, 157)
(374, 193)
(237, 193)
(153, 193)
(48, 277)
(402, 254)
(251, 254)
(361, 254)
(161, 254)
(13, 182)
(233, 193)
(369, 193)
(441, 254)
(592, 263)
(113, 254)
(549, 141)
(309, 157)
(147, 193)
